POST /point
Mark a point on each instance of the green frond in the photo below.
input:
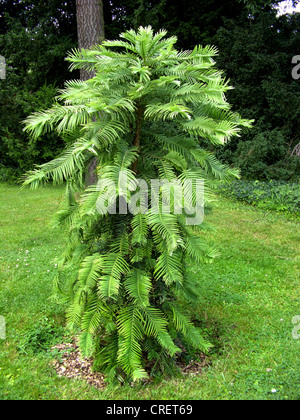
(165, 169)
(209, 51)
(169, 111)
(169, 268)
(155, 321)
(63, 118)
(212, 166)
(86, 344)
(81, 59)
(188, 290)
(75, 311)
(130, 351)
(120, 244)
(156, 326)
(199, 93)
(137, 255)
(179, 143)
(120, 177)
(98, 317)
(121, 44)
(89, 200)
(90, 271)
(114, 266)
(125, 156)
(66, 215)
(90, 322)
(68, 166)
(139, 229)
(218, 132)
(191, 333)
(165, 228)
(176, 160)
(138, 286)
(165, 340)
(99, 135)
(144, 43)
(198, 191)
(197, 249)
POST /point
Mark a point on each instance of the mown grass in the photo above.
(248, 299)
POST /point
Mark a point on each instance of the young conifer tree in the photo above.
(145, 116)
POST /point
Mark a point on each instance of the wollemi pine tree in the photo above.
(145, 116)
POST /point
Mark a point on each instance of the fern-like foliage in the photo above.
(145, 116)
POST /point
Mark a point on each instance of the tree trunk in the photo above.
(90, 27)
(90, 31)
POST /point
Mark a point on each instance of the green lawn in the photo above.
(248, 299)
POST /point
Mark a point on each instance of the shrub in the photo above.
(273, 195)
(41, 337)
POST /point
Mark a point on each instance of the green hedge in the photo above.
(273, 195)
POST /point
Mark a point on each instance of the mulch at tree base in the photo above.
(72, 365)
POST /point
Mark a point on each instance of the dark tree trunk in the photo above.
(90, 27)
(90, 31)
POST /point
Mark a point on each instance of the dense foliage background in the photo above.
(255, 51)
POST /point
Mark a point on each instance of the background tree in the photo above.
(90, 31)
(34, 39)
(265, 91)
(194, 22)
(90, 26)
